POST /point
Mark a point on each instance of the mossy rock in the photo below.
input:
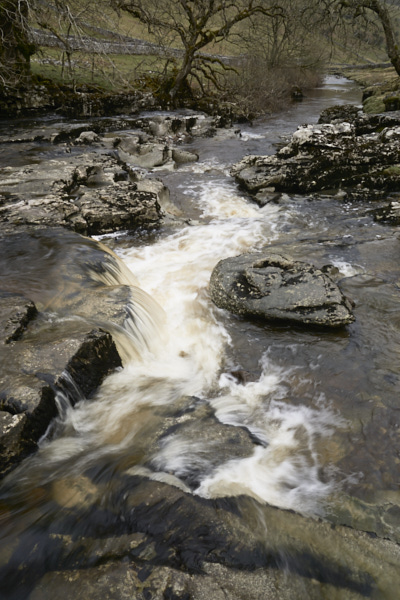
(392, 102)
(374, 104)
(392, 171)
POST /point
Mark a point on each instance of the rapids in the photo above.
(312, 401)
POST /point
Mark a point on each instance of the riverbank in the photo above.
(380, 85)
(379, 82)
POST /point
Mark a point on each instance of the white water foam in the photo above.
(284, 471)
(186, 360)
(346, 269)
(176, 272)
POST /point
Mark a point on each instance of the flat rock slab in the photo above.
(182, 546)
(88, 193)
(274, 287)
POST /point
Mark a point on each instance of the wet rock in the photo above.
(274, 287)
(13, 445)
(32, 375)
(379, 519)
(189, 547)
(15, 314)
(118, 581)
(156, 187)
(179, 126)
(389, 213)
(147, 156)
(150, 155)
(53, 343)
(87, 137)
(87, 195)
(341, 112)
(119, 207)
(191, 443)
(183, 156)
(71, 492)
(329, 156)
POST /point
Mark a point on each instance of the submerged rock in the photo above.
(274, 287)
(164, 543)
(188, 442)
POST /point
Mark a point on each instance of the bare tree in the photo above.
(370, 12)
(194, 26)
(74, 26)
(15, 45)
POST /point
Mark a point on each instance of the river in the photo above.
(322, 407)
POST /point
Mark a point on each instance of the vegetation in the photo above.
(362, 9)
(15, 47)
(253, 51)
(193, 26)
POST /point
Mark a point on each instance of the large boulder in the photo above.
(274, 287)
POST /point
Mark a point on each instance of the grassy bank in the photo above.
(381, 86)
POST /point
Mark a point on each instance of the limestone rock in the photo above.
(15, 313)
(389, 213)
(32, 376)
(274, 287)
(363, 154)
(87, 137)
(90, 196)
(182, 546)
(179, 126)
(41, 355)
(183, 156)
(146, 156)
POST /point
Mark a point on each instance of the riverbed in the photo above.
(321, 407)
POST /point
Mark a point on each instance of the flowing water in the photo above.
(321, 407)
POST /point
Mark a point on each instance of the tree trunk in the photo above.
(180, 83)
(391, 45)
(15, 48)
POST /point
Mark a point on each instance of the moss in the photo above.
(392, 171)
(374, 104)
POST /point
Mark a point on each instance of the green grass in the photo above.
(113, 73)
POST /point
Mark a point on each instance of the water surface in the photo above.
(322, 407)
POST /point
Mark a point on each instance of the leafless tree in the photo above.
(370, 13)
(195, 26)
(15, 45)
(71, 25)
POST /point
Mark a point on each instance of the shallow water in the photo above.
(321, 406)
